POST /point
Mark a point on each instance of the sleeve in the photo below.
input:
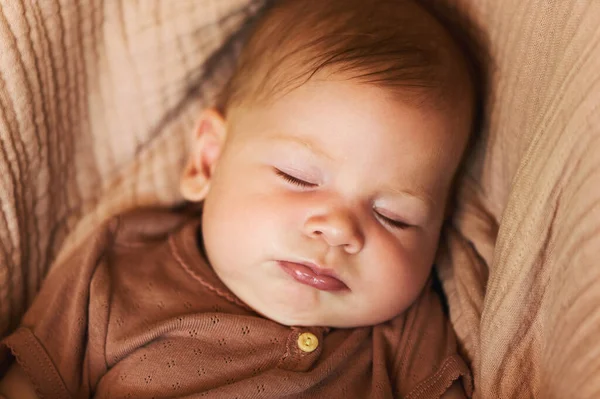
(60, 344)
(427, 360)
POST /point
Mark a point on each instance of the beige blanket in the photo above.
(97, 99)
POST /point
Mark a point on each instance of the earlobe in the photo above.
(193, 186)
(206, 145)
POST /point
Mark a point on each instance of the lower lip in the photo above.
(306, 275)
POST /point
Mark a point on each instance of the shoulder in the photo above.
(148, 224)
(129, 233)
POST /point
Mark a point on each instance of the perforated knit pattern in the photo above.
(145, 316)
(85, 86)
(89, 91)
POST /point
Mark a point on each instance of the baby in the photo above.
(323, 175)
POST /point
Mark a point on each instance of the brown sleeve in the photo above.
(54, 345)
(427, 361)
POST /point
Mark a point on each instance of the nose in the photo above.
(337, 227)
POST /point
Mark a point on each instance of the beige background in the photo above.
(85, 87)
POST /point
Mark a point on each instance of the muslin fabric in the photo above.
(97, 100)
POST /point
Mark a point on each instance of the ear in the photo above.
(207, 144)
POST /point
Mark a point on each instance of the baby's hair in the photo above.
(393, 44)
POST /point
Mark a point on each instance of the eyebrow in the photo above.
(311, 146)
(421, 196)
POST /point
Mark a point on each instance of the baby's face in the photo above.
(325, 207)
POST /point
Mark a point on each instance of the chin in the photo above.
(311, 320)
(291, 318)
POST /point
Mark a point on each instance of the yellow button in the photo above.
(308, 342)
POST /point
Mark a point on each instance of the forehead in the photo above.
(359, 126)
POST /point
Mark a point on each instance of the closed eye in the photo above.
(294, 180)
(397, 224)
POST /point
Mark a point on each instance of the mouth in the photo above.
(313, 275)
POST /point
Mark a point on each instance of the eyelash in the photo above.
(396, 224)
(294, 180)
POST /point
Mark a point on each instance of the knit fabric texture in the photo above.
(98, 99)
(136, 312)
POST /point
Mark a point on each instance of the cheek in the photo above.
(230, 226)
(243, 221)
(400, 268)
